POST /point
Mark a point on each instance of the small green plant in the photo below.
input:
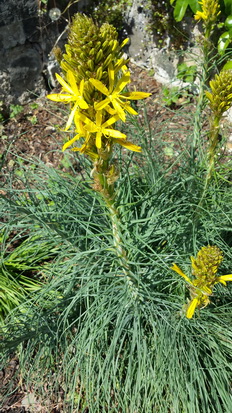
(186, 73)
(175, 95)
(34, 106)
(33, 119)
(15, 110)
(170, 96)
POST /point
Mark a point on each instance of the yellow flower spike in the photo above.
(200, 15)
(73, 94)
(181, 273)
(102, 128)
(207, 262)
(210, 11)
(220, 97)
(204, 268)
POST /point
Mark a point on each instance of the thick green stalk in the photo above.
(213, 141)
(200, 102)
(108, 194)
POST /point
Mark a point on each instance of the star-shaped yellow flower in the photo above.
(74, 94)
(114, 95)
(103, 128)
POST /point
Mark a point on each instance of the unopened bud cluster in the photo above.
(204, 269)
(220, 97)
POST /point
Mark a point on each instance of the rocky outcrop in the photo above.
(27, 35)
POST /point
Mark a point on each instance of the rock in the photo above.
(27, 36)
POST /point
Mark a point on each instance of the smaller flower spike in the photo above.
(204, 268)
(220, 97)
(210, 11)
(74, 94)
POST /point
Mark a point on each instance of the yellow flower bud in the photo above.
(99, 73)
(221, 93)
(99, 56)
(90, 64)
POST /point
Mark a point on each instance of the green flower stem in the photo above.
(213, 141)
(201, 101)
(108, 195)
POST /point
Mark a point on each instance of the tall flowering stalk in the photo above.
(210, 10)
(95, 74)
(220, 100)
(204, 269)
(209, 14)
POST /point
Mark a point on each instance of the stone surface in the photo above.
(27, 37)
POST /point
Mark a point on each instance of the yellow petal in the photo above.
(223, 278)
(98, 140)
(135, 95)
(129, 109)
(65, 85)
(99, 86)
(72, 82)
(110, 110)
(99, 118)
(125, 79)
(129, 145)
(82, 103)
(114, 133)
(101, 105)
(110, 121)
(119, 110)
(111, 78)
(71, 116)
(181, 273)
(192, 307)
(59, 97)
(67, 144)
